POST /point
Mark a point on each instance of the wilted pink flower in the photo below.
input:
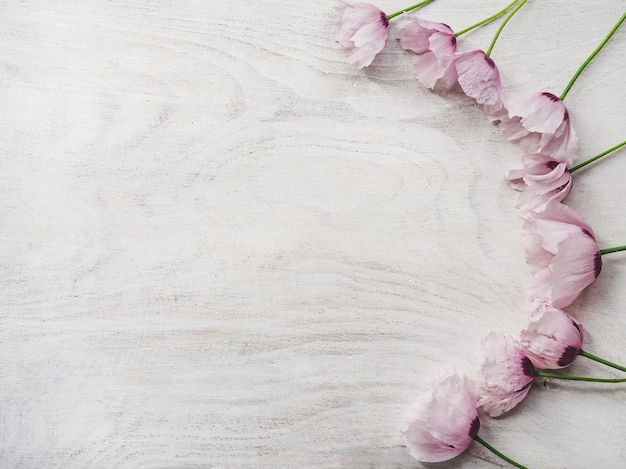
(507, 374)
(361, 31)
(541, 123)
(479, 78)
(553, 338)
(434, 46)
(562, 254)
(542, 180)
(443, 422)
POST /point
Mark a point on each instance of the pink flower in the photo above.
(434, 46)
(361, 31)
(479, 78)
(443, 422)
(507, 374)
(562, 254)
(541, 123)
(553, 338)
(542, 180)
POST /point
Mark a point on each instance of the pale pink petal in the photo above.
(541, 112)
(563, 214)
(540, 290)
(516, 179)
(553, 338)
(368, 42)
(479, 78)
(427, 70)
(552, 232)
(443, 46)
(361, 32)
(434, 46)
(415, 34)
(497, 117)
(576, 266)
(562, 254)
(507, 374)
(542, 180)
(537, 257)
(513, 129)
(443, 423)
(542, 232)
(563, 143)
(542, 124)
(556, 223)
(424, 447)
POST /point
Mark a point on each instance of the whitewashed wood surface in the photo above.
(221, 246)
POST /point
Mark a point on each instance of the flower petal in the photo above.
(434, 45)
(576, 266)
(361, 32)
(442, 423)
(562, 254)
(540, 112)
(479, 78)
(542, 180)
(542, 124)
(507, 374)
(415, 34)
(553, 338)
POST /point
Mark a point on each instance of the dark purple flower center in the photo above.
(551, 97)
(473, 431)
(552, 164)
(597, 263)
(569, 355)
(560, 188)
(588, 233)
(383, 19)
(597, 260)
(528, 367)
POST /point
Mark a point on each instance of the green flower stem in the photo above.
(593, 54)
(597, 157)
(601, 360)
(487, 20)
(506, 20)
(610, 250)
(498, 453)
(543, 374)
(417, 5)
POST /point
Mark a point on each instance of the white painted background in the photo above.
(222, 246)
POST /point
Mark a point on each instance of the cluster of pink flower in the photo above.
(561, 249)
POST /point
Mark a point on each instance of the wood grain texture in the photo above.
(221, 246)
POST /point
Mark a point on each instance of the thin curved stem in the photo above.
(498, 453)
(417, 5)
(506, 20)
(593, 54)
(582, 353)
(597, 157)
(543, 374)
(610, 250)
(487, 20)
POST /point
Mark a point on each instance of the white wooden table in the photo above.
(222, 246)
